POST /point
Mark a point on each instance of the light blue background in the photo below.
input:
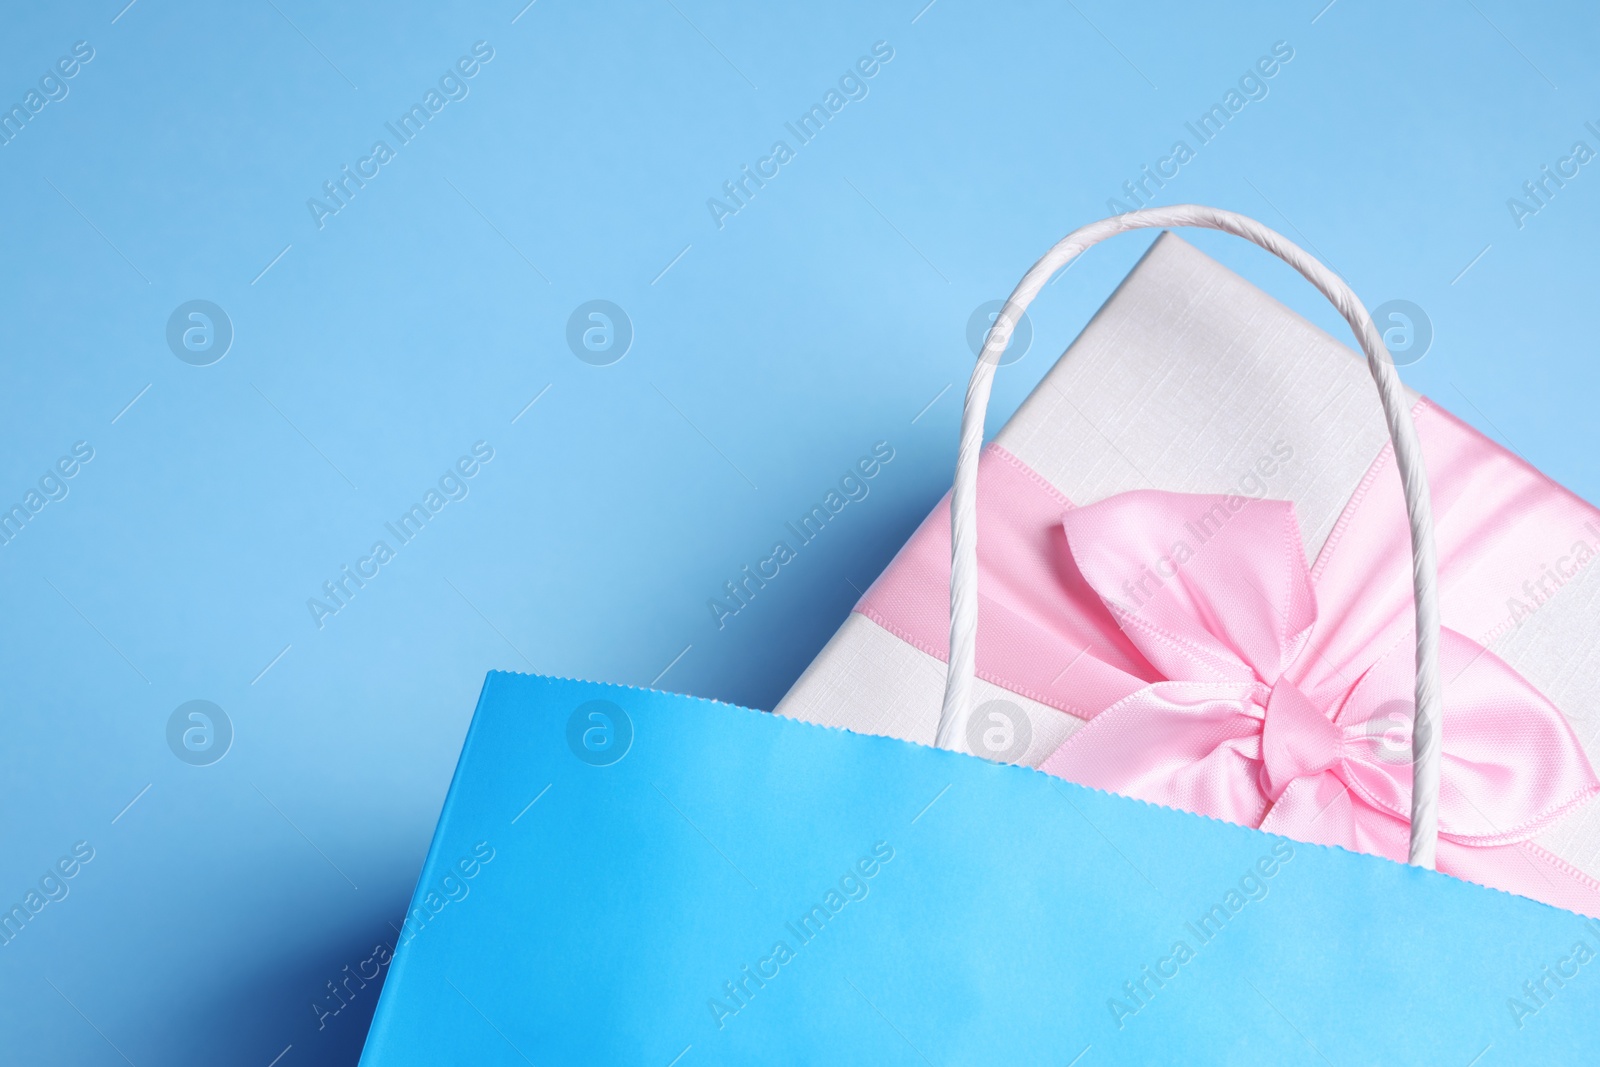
(822, 318)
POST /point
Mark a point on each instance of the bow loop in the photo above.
(1511, 763)
(1209, 588)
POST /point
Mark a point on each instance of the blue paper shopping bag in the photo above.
(695, 883)
(626, 876)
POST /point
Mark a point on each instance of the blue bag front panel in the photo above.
(623, 876)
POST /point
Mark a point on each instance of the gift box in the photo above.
(1202, 490)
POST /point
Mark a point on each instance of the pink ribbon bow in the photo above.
(1260, 719)
(1217, 674)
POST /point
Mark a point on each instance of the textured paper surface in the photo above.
(1019, 918)
(1186, 376)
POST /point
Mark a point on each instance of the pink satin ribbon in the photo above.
(1221, 676)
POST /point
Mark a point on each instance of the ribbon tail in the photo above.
(1186, 745)
(1525, 869)
(1321, 810)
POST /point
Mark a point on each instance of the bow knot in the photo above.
(1297, 740)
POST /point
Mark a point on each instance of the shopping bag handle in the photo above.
(958, 690)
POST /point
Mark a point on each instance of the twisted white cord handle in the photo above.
(1407, 453)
